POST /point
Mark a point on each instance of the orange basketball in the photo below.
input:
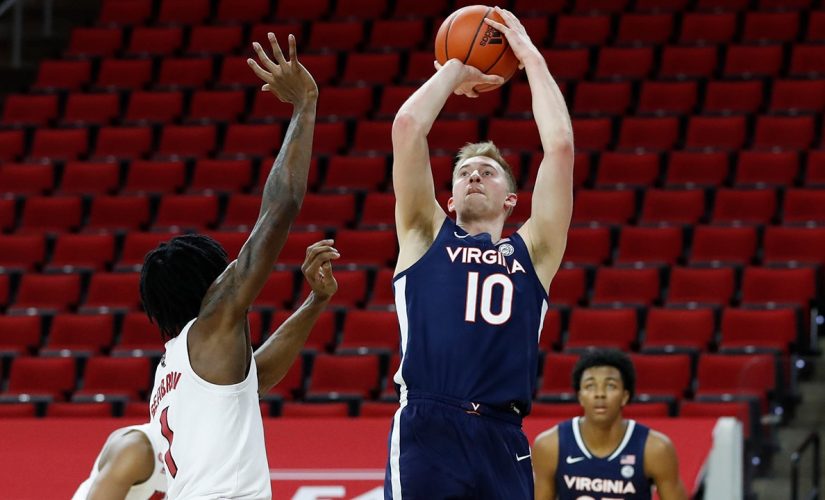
(465, 36)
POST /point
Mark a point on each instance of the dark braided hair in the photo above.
(606, 357)
(175, 278)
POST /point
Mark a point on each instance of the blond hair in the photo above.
(488, 149)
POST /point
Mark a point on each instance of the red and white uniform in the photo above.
(212, 437)
(151, 489)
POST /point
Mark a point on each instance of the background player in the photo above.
(602, 455)
(204, 401)
(469, 361)
(128, 467)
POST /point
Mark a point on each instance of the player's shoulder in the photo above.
(548, 439)
(657, 444)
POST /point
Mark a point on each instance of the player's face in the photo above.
(480, 189)
(602, 393)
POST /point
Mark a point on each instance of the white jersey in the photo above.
(151, 489)
(213, 435)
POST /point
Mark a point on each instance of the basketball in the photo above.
(465, 36)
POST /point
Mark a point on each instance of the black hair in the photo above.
(606, 357)
(175, 277)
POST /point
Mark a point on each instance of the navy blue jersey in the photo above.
(619, 476)
(470, 313)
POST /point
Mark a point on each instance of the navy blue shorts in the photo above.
(441, 448)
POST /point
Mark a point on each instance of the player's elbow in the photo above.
(406, 126)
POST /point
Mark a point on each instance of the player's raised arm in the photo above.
(276, 355)
(125, 462)
(546, 230)
(545, 457)
(233, 292)
(662, 466)
(416, 208)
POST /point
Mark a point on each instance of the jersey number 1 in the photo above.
(499, 318)
(171, 466)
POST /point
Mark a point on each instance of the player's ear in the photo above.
(511, 200)
(450, 204)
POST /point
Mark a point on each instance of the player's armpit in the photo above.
(545, 456)
(662, 467)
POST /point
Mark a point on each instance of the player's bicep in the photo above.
(128, 462)
(412, 176)
(552, 203)
(545, 461)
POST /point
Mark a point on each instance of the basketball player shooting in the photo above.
(204, 402)
(470, 302)
(603, 455)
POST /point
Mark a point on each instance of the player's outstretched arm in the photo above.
(276, 355)
(218, 351)
(545, 459)
(662, 466)
(416, 207)
(546, 230)
(125, 461)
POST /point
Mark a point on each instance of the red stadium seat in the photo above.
(278, 291)
(123, 142)
(89, 178)
(326, 210)
(661, 245)
(712, 286)
(187, 141)
(248, 11)
(188, 72)
(600, 5)
(19, 335)
(7, 214)
(736, 376)
(397, 34)
(626, 286)
(154, 107)
(79, 410)
(807, 60)
(294, 251)
(649, 133)
(721, 132)
(343, 375)
(129, 74)
(761, 286)
(352, 289)
(815, 169)
(567, 63)
(217, 106)
(68, 75)
(186, 211)
(776, 168)
(183, 11)
(673, 206)
(359, 9)
(687, 62)
(221, 176)
(804, 206)
(354, 102)
(52, 378)
(370, 331)
(418, 8)
(36, 110)
(723, 244)
(335, 35)
(804, 245)
(92, 109)
(125, 12)
(214, 39)
(734, 97)
(79, 334)
(290, 385)
(556, 382)
(323, 332)
(375, 69)
(11, 144)
(627, 169)
(77, 252)
(662, 376)
(112, 292)
(787, 132)
(135, 247)
(550, 333)
(356, 173)
(138, 337)
(51, 214)
(155, 41)
(759, 329)
(660, 5)
(624, 62)
(569, 287)
(592, 133)
(707, 28)
(667, 97)
(582, 30)
(22, 252)
(118, 212)
(41, 293)
(609, 207)
(23, 179)
(749, 206)
(602, 328)
(770, 27)
(244, 140)
(373, 136)
(673, 330)
(376, 248)
(382, 290)
(54, 144)
(797, 95)
(155, 177)
(588, 245)
(378, 211)
(816, 26)
(302, 9)
(687, 168)
(716, 409)
(645, 28)
(602, 98)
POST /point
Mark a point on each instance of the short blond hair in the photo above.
(488, 149)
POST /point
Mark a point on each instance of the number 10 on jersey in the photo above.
(472, 307)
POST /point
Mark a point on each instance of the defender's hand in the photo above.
(288, 80)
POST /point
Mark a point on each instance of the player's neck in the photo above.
(602, 438)
(477, 226)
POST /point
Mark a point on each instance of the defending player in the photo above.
(470, 301)
(204, 402)
(602, 455)
(128, 466)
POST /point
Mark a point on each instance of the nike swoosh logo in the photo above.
(460, 236)
(571, 460)
(519, 459)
